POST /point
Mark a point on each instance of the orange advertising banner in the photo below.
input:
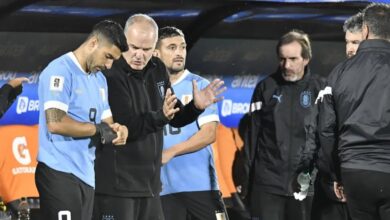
(18, 152)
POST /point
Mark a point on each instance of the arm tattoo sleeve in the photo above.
(54, 115)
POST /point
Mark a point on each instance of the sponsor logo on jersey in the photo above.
(57, 83)
(277, 97)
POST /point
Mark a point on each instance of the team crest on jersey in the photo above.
(185, 99)
(305, 99)
(161, 88)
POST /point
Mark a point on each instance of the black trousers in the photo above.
(63, 196)
(368, 194)
(325, 203)
(201, 205)
(120, 208)
(268, 206)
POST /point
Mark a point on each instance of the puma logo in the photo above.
(278, 97)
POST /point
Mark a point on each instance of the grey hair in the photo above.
(141, 18)
(354, 23)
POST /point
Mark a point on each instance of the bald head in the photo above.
(143, 24)
(141, 33)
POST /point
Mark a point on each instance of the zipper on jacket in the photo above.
(291, 102)
(149, 107)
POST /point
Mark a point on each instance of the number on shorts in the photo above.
(64, 215)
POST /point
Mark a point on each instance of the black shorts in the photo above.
(202, 205)
(63, 196)
(136, 208)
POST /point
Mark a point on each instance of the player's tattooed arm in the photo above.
(54, 115)
(58, 122)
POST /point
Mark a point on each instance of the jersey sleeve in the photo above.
(55, 88)
(106, 106)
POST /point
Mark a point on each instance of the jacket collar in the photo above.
(125, 67)
(373, 43)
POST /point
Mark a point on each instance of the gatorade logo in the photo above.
(24, 105)
(20, 150)
(229, 107)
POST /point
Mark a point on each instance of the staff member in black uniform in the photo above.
(279, 106)
(354, 120)
(325, 203)
(9, 92)
(140, 96)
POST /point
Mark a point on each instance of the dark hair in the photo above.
(112, 32)
(296, 36)
(354, 23)
(168, 32)
(377, 17)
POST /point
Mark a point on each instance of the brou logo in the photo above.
(24, 105)
(229, 107)
(305, 99)
(20, 150)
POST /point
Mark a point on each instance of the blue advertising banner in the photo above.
(236, 102)
(25, 109)
(237, 98)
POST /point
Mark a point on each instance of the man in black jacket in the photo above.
(354, 121)
(279, 105)
(9, 92)
(325, 203)
(140, 96)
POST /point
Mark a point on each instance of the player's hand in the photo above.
(169, 105)
(167, 155)
(209, 95)
(339, 191)
(121, 132)
(17, 81)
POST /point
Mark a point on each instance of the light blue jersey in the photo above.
(194, 171)
(64, 85)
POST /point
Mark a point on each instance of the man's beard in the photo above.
(290, 77)
(175, 71)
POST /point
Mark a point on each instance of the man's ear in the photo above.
(156, 53)
(365, 31)
(93, 42)
(306, 61)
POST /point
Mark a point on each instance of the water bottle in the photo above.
(303, 180)
(23, 209)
